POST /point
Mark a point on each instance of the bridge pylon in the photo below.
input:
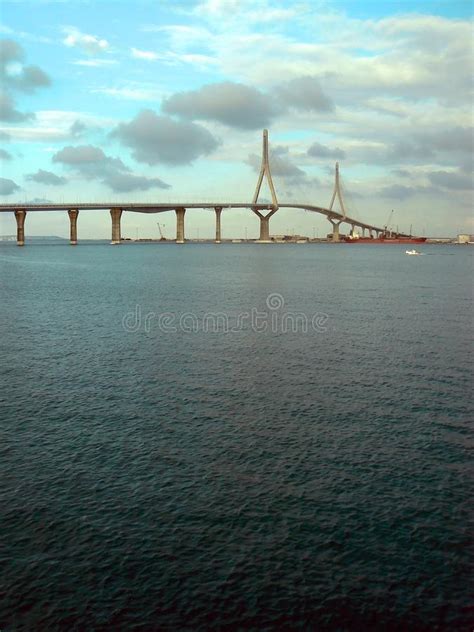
(337, 191)
(265, 171)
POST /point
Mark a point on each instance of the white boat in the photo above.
(412, 252)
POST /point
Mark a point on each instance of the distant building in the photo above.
(441, 240)
(464, 239)
(289, 238)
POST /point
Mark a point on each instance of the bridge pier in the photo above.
(73, 213)
(20, 215)
(180, 211)
(264, 226)
(218, 210)
(335, 230)
(116, 214)
(264, 229)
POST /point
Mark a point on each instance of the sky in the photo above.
(166, 101)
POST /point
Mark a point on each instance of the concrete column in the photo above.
(218, 210)
(20, 215)
(335, 230)
(116, 214)
(180, 225)
(264, 226)
(73, 213)
(264, 229)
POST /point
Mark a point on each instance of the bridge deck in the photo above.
(161, 207)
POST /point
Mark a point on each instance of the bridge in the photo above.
(263, 211)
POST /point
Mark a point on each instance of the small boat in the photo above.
(412, 252)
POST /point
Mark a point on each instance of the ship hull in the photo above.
(386, 240)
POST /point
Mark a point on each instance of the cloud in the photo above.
(233, 104)
(94, 63)
(304, 93)
(77, 128)
(194, 59)
(427, 137)
(56, 125)
(171, 58)
(135, 94)
(456, 138)
(10, 51)
(402, 173)
(399, 192)
(4, 136)
(144, 54)
(410, 58)
(89, 161)
(93, 163)
(453, 180)
(14, 76)
(181, 36)
(245, 107)
(251, 11)
(155, 139)
(428, 144)
(281, 164)
(90, 44)
(124, 182)
(9, 113)
(4, 155)
(46, 177)
(316, 150)
(29, 79)
(7, 187)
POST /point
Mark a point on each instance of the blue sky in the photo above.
(158, 101)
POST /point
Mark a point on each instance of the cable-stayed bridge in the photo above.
(263, 211)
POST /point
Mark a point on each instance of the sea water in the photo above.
(263, 437)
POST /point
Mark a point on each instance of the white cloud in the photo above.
(54, 125)
(407, 57)
(36, 133)
(193, 59)
(135, 94)
(254, 11)
(90, 44)
(180, 36)
(144, 54)
(95, 63)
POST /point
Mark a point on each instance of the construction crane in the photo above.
(162, 237)
(387, 223)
